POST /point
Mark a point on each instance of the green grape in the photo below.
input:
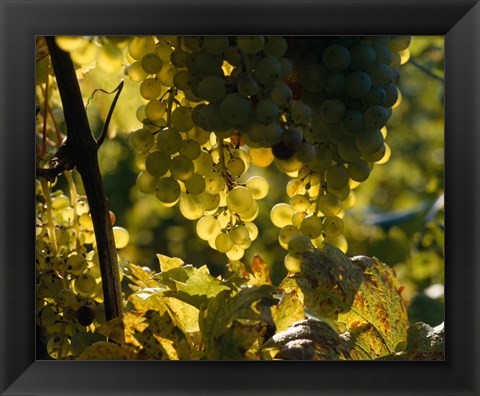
(85, 221)
(292, 264)
(268, 70)
(214, 182)
(251, 213)
(341, 193)
(182, 119)
(381, 75)
(382, 54)
(297, 218)
(81, 206)
(313, 77)
(301, 113)
(369, 141)
(252, 230)
(305, 152)
(339, 241)
(337, 177)
(121, 236)
(235, 108)
(48, 316)
(258, 186)
(332, 226)
(76, 264)
(358, 170)
(267, 111)
(70, 43)
(240, 199)
(136, 73)
(275, 46)
(192, 207)
(332, 110)
(329, 204)
(164, 51)
(151, 63)
(250, 44)
(376, 96)
(335, 84)
(166, 74)
(281, 215)
(311, 226)
(281, 94)
(347, 149)
(179, 58)
(60, 202)
(195, 184)
(223, 243)
(181, 167)
(155, 110)
(236, 167)
(150, 89)
(322, 160)
(235, 253)
(198, 134)
(212, 89)
(392, 94)
(211, 201)
(400, 43)
(247, 85)
(146, 182)
(182, 80)
(167, 190)
(239, 235)
(157, 163)
(336, 57)
(299, 203)
(208, 228)
(142, 140)
(140, 114)
(299, 244)
(358, 84)
(192, 43)
(169, 140)
(85, 284)
(215, 45)
(139, 46)
(286, 233)
(376, 116)
(204, 163)
(363, 57)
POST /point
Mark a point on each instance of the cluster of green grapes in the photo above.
(68, 281)
(317, 106)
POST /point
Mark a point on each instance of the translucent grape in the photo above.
(369, 141)
(157, 163)
(214, 182)
(239, 235)
(358, 170)
(136, 73)
(292, 264)
(258, 186)
(236, 167)
(169, 140)
(167, 190)
(240, 199)
(182, 118)
(142, 140)
(204, 163)
(299, 244)
(151, 63)
(208, 227)
(190, 148)
(181, 167)
(121, 236)
(163, 51)
(281, 215)
(146, 182)
(192, 206)
(223, 243)
(329, 204)
(261, 157)
(286, 233)
(235, 253)
(139, 46)
(150, 88)
(85, 284)
(376, 116)
(311, 226)
(400, 43)
(332, 226)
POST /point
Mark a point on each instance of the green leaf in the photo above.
(140, 277)
(173, 276)
(103, 350)
(168, 263)
(148, 300)
(224, 309)
(201, 285)
(289, 310)
(238, 340)
(308, 339)
(377, 321)
(327, 282)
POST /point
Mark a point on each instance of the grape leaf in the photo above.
(140, 277)
(223, 309)
(307, 339)
(327, 282)
(122, 329)
(289, 310)
(260, 272)
(103, 350)
(168, 263)
(171, 277)
(148, 299)
(377, 321)
(238, 340)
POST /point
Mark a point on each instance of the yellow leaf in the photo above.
(289, 310)
(103, 350)
(167, 263)
(260, 272)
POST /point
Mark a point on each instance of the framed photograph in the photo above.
(203, 270)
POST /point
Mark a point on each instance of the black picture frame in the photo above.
(21, 21)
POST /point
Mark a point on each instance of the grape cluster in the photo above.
(214, 105)
(69, 289)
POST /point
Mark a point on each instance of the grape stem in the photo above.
(50, 226)
(426, 70)
(73, 198)
(110, 111)
(171, 98)
(320, 192)
(80, 150)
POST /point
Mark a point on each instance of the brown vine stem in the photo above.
(81, 149)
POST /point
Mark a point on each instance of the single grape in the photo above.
(332, 226)
(235, 108)
(146, 182)
(258, 186)
(286, 233)
(212, 88)
(337, 177)
(195, 184)
(332, 110)
(281, 215)
(329, 204)
(299, 244)
(215, 45)
(181, 167)
(250, 44)
(192, 206)
(151, 63)
(275, 46)
(223, 243)
(139, 46)
(85, 284)
(240, 199)
(239, 235)
(336, 57)
(292, 264)
(150, 88)
(208, 227)
(142, 140)
(358, 170)
(358, 84)
(268, 70)
(167, 190)
(85, 315)
(169, 140)
(311, 226)
(157, 163)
